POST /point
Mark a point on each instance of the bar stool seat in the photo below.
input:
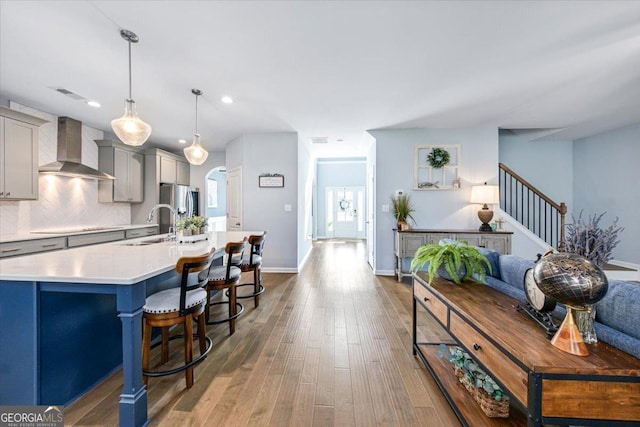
(175, 306)
(227, 276)
(252, 262)
(168, 301)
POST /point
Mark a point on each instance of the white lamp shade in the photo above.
(129, 128)
(482, 194)
(195, 153)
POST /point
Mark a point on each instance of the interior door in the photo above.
(348, 221)
(370, 209)
(234, 199)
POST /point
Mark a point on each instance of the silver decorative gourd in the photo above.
(576, 282)
(571, 279)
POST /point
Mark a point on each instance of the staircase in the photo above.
(532, 208)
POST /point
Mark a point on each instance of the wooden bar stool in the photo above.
(180, 305)
(252, 262)
(223, 277)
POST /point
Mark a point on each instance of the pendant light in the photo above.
(129, 128)
(195, 154)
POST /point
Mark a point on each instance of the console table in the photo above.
(546, 385)
(407, 242)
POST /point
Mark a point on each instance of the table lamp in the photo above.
(485, 195)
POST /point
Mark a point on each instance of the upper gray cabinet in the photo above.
(18, 155)
(126, 164)
(182, 173)
(173, 168)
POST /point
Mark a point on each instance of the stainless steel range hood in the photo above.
(70, 153)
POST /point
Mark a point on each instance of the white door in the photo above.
(343, 211)
(370, 209)
(234, 199)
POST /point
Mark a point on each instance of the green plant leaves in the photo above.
(453, 257)
(402, 207)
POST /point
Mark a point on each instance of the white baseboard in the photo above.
(279, 270)
(633, 274)
(304, 260)
(384, 272)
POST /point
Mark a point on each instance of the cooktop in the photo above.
(76, 230)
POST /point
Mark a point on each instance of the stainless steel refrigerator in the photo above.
(184, 199)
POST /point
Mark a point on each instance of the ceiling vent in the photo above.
(319, 140)
(70, 94)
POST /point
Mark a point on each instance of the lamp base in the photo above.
(485, 214)
(485, 227)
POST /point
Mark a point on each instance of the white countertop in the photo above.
(114, 262)
(6, 238)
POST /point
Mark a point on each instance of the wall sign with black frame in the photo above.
(271, 181)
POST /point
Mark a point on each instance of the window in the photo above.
(212, 193)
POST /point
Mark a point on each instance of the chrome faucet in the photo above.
(174, 217)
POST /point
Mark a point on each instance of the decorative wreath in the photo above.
(438, 158)
(344, 204)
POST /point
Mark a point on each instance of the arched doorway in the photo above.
(215, 199)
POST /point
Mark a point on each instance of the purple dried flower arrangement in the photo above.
(586, 238)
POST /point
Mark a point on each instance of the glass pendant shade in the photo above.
(195, 154)
(129, 128)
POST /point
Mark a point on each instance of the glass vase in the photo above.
(584, 320)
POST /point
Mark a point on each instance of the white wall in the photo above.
(306, 176)
(264, 208)
(606, 179)
(434, 209)
(62, 202)
(548, 165)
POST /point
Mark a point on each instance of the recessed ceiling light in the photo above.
(227, 100)
(94, 104)
(182, 141)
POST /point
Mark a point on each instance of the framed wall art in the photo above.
(436, 167)
(271, 181)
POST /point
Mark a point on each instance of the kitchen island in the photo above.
(59, 313)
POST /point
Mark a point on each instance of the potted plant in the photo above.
(402, 209)
(184, 226)
(587, 239)
(456, 261)
(200, 223)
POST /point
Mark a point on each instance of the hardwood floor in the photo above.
(328, 346)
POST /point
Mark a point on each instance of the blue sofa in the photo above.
(617, 314)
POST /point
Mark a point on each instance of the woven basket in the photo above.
(492, 408)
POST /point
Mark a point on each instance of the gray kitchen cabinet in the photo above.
(173, 168)
(126, 164)
(168, 170)
(18, 155)
(94, 238)
(25, 247)
(160, 167)
(182, 173)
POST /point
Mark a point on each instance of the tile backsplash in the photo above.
(62, 202)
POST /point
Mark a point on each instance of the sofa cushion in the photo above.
(406, 264)
(513, 268)
(505, 288)
(494, 261)
(620, 307)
